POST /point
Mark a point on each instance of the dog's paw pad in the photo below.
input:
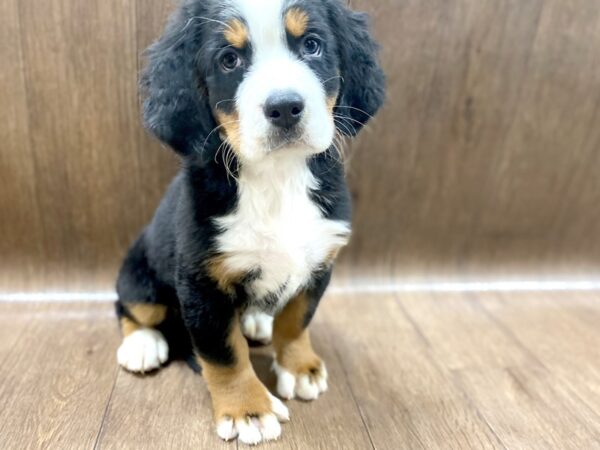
(252, 429)
(305, 386)
(143, 350)
(257, 326)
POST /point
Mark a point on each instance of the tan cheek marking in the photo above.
(291, 340)
(296, 22)
(331, 102)
(222, 275)
(236, 33)
(235, 390)
(230, 124)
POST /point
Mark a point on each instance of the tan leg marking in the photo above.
(128, 326)
(143, 348)
(237, 34)
(291, 340)
(148, 315)
(300, 371)
(144, 315)
(236, 390)
(241, 403)
(296, 22)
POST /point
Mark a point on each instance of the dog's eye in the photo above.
(311, 46)
(229, 61)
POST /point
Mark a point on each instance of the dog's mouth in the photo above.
(294, 141)
(285, 138)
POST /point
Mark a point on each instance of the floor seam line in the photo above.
(106, 408)
(354, 400)
(441, 371)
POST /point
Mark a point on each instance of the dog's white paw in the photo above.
(252, 430)
(304, 385)
(143, 350)
(258, 326)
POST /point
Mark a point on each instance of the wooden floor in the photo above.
(494, 370)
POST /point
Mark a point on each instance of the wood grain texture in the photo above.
(517, 392)
(79, 66)
(406, 400)
(574, 341)
(334, 420)
(483, 161)
(520, 406)
(21, 245)
(484, 152)
(405, 371)
(58, 375)
(170, 409)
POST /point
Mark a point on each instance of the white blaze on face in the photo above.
(274, 67)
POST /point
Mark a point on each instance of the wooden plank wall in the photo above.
(484, 160)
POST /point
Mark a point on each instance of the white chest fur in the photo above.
(276, 230)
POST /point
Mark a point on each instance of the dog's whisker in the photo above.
(340, 150)
(168, 46)
(346, 126)
(218, 150)
(206, 20)
(216, 129)
(332, 78)
(221, 48)
(224, 101)
(349, 119)
(223, 148)
(338, 147)
(229, 156)
(357, 109)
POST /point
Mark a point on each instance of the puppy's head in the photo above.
(264, 76)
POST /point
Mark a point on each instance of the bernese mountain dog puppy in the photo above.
(251, 94)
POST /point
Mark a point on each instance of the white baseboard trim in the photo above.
(338, 289)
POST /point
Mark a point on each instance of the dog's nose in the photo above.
(284, 109)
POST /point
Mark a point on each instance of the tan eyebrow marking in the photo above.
(296, 22)
(236, 33)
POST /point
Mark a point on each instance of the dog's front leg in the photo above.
(300, 371)
(242, 405)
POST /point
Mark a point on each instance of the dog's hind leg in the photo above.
(140, 312)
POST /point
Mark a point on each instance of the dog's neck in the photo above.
(275, 182)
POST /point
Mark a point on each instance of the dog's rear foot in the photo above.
(143, 350)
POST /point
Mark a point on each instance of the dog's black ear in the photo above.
(363, 82)
(176, 108)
